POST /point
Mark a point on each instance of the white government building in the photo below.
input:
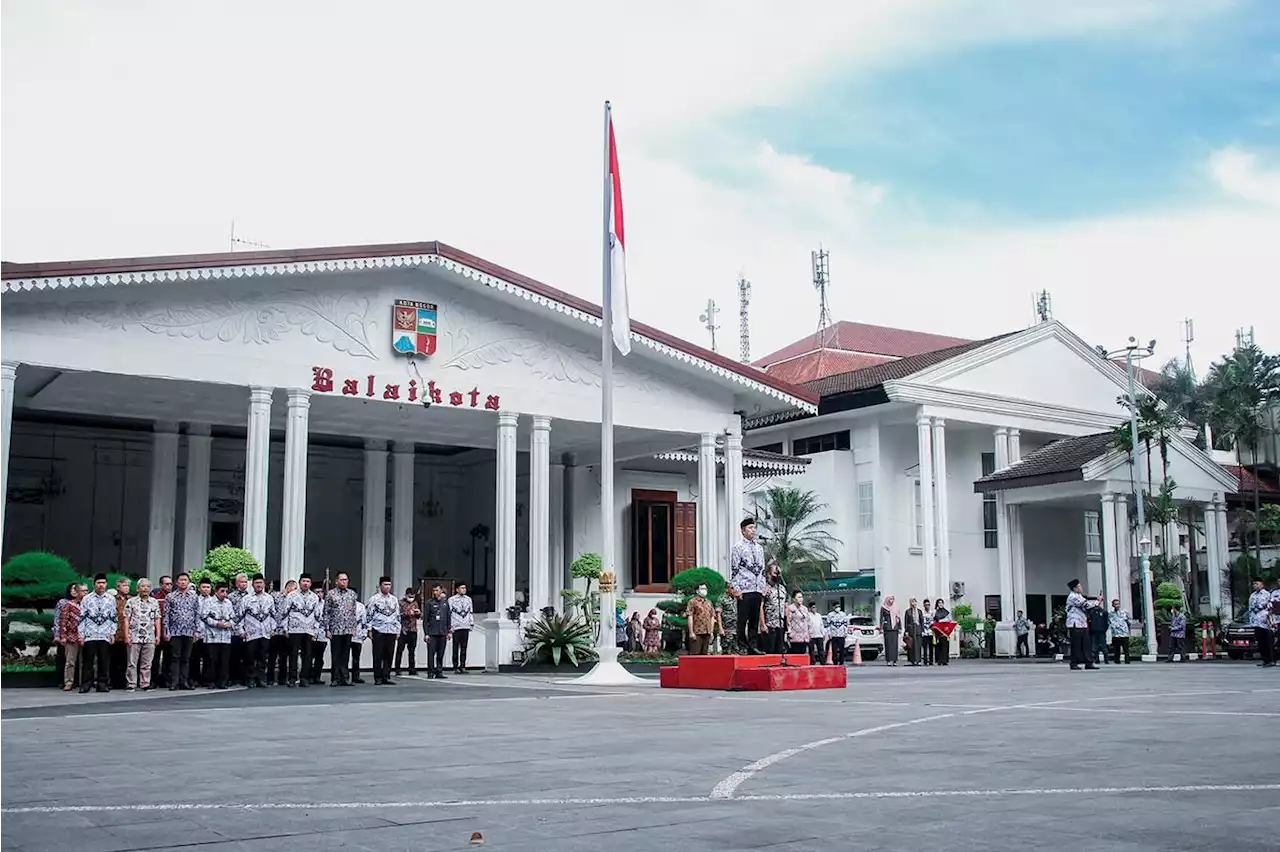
(155, 407)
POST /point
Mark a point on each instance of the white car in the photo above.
(866, 631)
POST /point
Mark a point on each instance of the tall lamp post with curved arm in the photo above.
(1131, 353)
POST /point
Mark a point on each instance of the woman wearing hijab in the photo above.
(913, 630)
(891, 627)
(942, 642)
(652, 632)
(635, 633)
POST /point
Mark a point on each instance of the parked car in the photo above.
(1238, 640)
(867, 632)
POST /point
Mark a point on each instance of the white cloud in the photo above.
(1239, 173)
(147, 128)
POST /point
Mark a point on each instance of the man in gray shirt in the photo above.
(746, 584)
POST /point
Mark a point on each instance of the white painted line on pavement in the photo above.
(638, 800)
(1153, 712)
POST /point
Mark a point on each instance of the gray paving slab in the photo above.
(515, 739)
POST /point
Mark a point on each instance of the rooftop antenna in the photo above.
(744, 324)
(821, 280)
(240, 241)
(1188, 335)
(708, 320)
(1244, 338)
(1043, 305)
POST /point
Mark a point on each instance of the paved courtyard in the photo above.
(977, 756)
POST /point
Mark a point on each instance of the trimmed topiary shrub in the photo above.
(35, 580)
(684, 586)
(223, 563)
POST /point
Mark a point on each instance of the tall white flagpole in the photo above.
(608, 671)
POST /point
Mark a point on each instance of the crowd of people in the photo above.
(183, 635)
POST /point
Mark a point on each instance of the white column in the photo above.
(1222, 557)
(164, 499)
(1124, 553)
(374, 551)
(732, 490)
(1017, 558)
(1211, 558)
(257, 459)
(924, 446)
(707, 516)
(8, 376)
(1004, 558)
(293, 525)
(1002, 448)
(944, 522)
(557, 510)
(540, 514)
(195, 515)
(1015, 445)
(1110, 548)
(505, 514)
(402, 516)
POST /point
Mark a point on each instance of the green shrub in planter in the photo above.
(1137, 646)
(223, 563)
(35, 580)
(551, 638)
(1167, 595)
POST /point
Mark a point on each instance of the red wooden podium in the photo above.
(761, 673)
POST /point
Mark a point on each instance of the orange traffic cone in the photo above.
(857, 653)
(828, 653)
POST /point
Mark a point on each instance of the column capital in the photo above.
(8, 370)
(164, 427)
(1108, 497)
(923, 419)
(541, 423)
(735, 427)
(508, 419)
(939, 423)
(259, 395)
(404, 448)
(1002, 430)
(299, 398)
(198, 430)
(375, 445)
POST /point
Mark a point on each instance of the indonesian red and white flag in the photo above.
(620, 320)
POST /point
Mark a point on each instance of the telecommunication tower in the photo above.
(744, 324)
(708, 320)
(1244, 338)
(1188, 335)
(1043, 306)
(821, 280)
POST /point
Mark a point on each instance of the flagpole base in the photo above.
(608, 672)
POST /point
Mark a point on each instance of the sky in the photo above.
(954, 157)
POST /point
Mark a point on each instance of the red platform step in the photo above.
(764, 672)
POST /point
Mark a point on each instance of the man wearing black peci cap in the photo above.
(746, 585)
(1078, 626)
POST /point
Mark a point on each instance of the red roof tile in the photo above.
(867, 339)
(822, 363)
(897, 368)
(1246, 478)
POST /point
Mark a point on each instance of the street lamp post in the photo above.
(1144, 545)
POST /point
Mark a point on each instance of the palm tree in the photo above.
(798, 535)
(1242, 387)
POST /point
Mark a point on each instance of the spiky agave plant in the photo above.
(556, 636)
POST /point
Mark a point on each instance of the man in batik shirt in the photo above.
(160, 661)
(278, 647)
(1260, 619)
(239, 671)
(462, 620)
(68, 625)
(1177, 634)
(410, 615)
(357, 640)
(341, 622)
(1119, 622)
(302, 615)
(256, 623)
(219, 627)
(98, 633)
(746, 585)
(141, 630)
(773, 602)
(384, 625)
(120, 647)
(319, 638)
(181, 619)
(201, 668)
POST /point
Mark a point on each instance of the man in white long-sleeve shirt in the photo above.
(1078, 625)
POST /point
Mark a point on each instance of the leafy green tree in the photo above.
(799, 536)
(223, 563)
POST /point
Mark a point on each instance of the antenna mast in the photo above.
(1188, 335)
(1244, 338)
(744, 324)
(239, 241)
(1043, 306)
(708, 319)
(821, 280)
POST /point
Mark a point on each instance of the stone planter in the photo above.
(34, 678)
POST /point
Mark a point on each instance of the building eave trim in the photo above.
(922, 394)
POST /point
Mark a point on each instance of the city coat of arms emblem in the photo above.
(413, 327)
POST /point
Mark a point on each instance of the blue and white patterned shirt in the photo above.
(384, 614)
(256, 616)
(462, 613)
(362, 623)
(1260, 609)
(1077, 609)
(218, 621)
(340, 617)
(182, 613)
(282, 613)
(1178, 625)
(301, 612)
(836, 623)
(98, 618)
(57, 618)
(1275, 609)
(746, 567)
(1119, 620)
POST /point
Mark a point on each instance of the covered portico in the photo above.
(1046, 496)
(288, 363)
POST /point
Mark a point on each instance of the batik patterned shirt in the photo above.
(1178, 625)
(142, 614)
(1077, 610)
(775, 604)
(282, 613)
(1021, 627)
(340, 617)
(97, 617)
(702, 616)
(318, 635)
(301, 612)
(1119, 620)
(362, 623)
(837, 624)
(256, 616)
(236, 597)
(746, 566)
(181, 613)
(461, 613)
(219, 621)
(384, 614)
(797, 623)
(1260, 609)
(410, 615)
(69, 622)
(1275, 609)
(57, 618)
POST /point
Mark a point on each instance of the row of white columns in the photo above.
(1010, 553)
(932, 449)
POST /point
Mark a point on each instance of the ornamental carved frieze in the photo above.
(345, 322)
